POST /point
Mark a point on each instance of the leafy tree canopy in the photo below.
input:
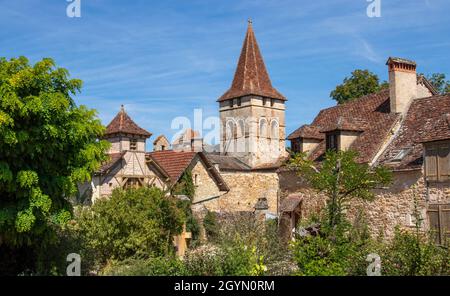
(341, 178)
(439, 82)
(47, 145)
(360, 83)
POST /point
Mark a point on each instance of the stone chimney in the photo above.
(402, 83)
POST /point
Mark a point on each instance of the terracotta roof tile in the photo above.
(369, 114)
(251, 77)
(424, 121)
(123, 124)
(308, 132)
(113, 159)
(173, 162)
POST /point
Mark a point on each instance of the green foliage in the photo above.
(243, 246)
(338, 250)
(192, 225)
(47, 146)
(360, 83)
(341, 178)
(237, 259)
(136, 222)
(158, 266)
(411, 254)
(211, 226)
(185, 185)
(439, 82)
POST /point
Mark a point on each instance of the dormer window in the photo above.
(133, 144)
(400, 155)
(332, 141)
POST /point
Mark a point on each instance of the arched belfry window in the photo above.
(263, 128)
(241, 129)
(229, 130)
(274, 130)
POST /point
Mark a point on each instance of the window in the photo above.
(272, 102)
(231, 103)
(163, 147)
(437, 161)
(400, 155)
(196, 180)
(133, 144)
(132, 183)
(239, 102)
(264, 101)
(296, 145)
(332, 142)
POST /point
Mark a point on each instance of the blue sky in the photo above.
(163, 59)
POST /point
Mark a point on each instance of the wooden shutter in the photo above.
(445, 222)
(443, 157)
(439, 218)
(433, 218)
(431, 164)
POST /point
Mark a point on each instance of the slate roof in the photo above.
(123, 124)
(232, 163)
(251, 77)
(426, 120)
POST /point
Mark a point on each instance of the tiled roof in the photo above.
(346, 124)
(251, 77)
(437, 131)
(123, 124)
(306, 131)
(173, 162)
(425, 120)
(290, 203)
(369, 114)
(113, 159)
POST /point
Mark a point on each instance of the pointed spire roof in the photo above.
(251, 77)
(123, 124)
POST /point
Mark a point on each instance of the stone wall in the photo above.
(205, 187)
(245, 189)
(393, 206)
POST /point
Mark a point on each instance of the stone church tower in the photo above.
(252, 111)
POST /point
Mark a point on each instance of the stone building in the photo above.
(129, 165)
(405, 128)
(252, 136)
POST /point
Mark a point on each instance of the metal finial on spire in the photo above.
(250, 22)
(122, 107)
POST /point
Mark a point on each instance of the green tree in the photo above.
(341, 178)
(47, 145)
(360, 83)
(136, 222)
(439, 82)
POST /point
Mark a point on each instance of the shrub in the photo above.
(136, 222)
(211, 226)
(413, 254)
(158, 266)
